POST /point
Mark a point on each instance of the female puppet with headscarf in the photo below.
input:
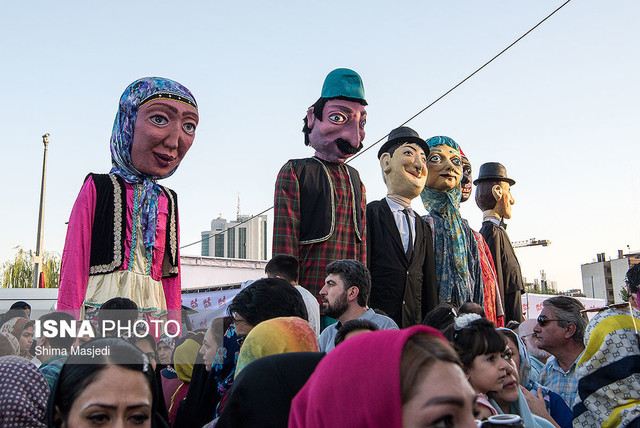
(458, 269)
(123, 236)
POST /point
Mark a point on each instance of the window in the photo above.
(219, 245)
(264, 240)
(231, 243)
(205, 244)
(242, 243)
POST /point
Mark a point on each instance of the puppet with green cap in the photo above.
(320, 203)
(399, 242)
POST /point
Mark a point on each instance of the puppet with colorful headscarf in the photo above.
(458, 267)
(123, 236)
(320, 202)
(493, 197)
(492, 300)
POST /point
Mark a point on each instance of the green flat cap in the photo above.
(343, 82)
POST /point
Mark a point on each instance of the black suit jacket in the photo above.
(405, 289)
(507, 267)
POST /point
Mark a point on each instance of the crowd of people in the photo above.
(264, 365)
(369, 315)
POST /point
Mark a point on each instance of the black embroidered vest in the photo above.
(317, 200)
(110, 223)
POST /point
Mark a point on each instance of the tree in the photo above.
(18, 273)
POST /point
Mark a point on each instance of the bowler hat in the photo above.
(493, 171)
(403, 134)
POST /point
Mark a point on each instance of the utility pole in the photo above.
(37, 259)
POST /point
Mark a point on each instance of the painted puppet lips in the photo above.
(164, 160)
(416, 174)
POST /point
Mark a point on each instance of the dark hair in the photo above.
(59, 341)
(441, 317)
(633, 278)
(478, 338)
(11, 314)
(353, 274)
(284, 266)
(318, 108)
(353, 325)
(20, 305)
(119, 310)
(80, 370)
(472, 308)
(268, 298)
(484, 195)
(420, 352)
(568, 311)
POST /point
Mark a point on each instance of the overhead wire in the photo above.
(412, 117)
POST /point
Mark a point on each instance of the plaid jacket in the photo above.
(344, 217)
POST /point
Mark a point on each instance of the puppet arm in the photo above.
(74, 268)
(172, 285)
(286, 218)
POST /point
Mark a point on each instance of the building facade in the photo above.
(605, 279)
(245, 238)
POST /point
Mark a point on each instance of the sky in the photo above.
(560, 109)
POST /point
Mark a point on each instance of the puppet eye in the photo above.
(435, 159)
(363, 122)
(337, 118)
(456, 161)
(159, 120)
(190, 128)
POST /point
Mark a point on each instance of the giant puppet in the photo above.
(123, 237)
(399, 243)
(493, 197)
(320, 202)
(492, 302)
(458, 269)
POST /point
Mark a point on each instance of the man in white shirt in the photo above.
(344, 296)
(288, 268)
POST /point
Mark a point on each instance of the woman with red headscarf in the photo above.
(387, 378)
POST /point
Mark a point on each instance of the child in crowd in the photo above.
(482, 351)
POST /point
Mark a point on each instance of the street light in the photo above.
(37, 259)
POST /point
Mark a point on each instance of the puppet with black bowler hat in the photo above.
(493, 197)
(320, 202)
(399, 242)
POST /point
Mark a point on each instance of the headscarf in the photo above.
(262, 393)
(277, 336)
(447, 205)
(15, 327)
(357, 384)
(609, 371)
(11, 347)
(23, 396)
(184, 358)
(136, 94)
(169, 341)
(521, 408)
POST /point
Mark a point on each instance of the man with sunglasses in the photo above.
(560, 331)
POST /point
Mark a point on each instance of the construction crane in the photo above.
(531, 243)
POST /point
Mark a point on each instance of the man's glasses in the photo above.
(543, 320)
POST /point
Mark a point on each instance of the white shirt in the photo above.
(401, 222)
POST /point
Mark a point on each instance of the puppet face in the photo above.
(162, 135)
(406, 171)
(339, 134)
(445, 168)
(502, 193)
(466, 179)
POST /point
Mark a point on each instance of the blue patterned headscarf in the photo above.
(133, 97)
(447, 204)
